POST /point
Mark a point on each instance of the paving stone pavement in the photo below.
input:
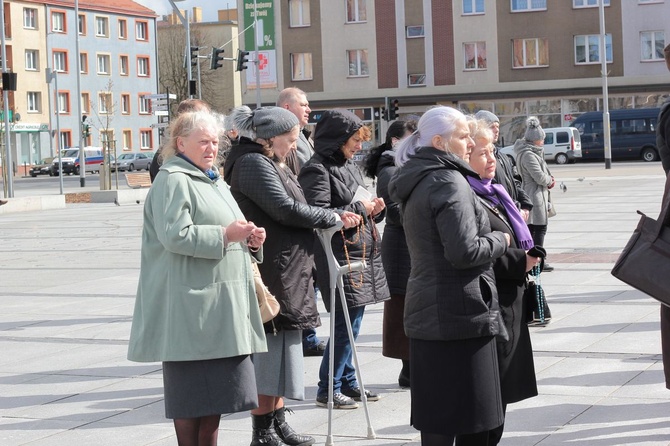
(67, 287)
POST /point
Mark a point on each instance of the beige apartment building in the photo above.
(513, 57)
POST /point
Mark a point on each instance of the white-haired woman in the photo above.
(196, 308)
(451, 306)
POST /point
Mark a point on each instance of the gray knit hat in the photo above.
(534, 131)
(487, 116)
(265, 122)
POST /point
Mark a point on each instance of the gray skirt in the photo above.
(280, 371)
(209, 387)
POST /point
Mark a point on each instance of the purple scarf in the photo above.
(496, 194)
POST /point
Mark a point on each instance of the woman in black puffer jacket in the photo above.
(330, 179)
(380, 164)
(267, 191)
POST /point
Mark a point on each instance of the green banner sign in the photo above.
(265, 29)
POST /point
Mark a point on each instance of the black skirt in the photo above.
(455, 386)
(209, 387)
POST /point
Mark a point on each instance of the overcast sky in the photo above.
(209, 7)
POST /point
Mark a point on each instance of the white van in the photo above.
(70, 161)
(561, 144)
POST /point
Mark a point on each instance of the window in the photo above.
(58, 22)
(146, 137)
(30, 18)
(358, 63)
(528, 5)
(414, 31)
(123, 65)
(142, 31)
(123, 29)
(473, 6)
(588, 3)
(86, 103)
(651, 45)
(356, 11)
(34, 101)
(416, 80)
(530, 53)
(105, 104)
(82, 25)
(32, 60)
(103, 64)
(60, 61)
(63, 102)
(65, 139)
(145, 105)
(298, 11)
(587, 49)
(142, 66)
(83, 63)
(101, 26)
(475, 55)
(127, 136)
(125, 104)
(301, 66)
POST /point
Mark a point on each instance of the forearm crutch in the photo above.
(336, 272)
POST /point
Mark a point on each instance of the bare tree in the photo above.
(104, 111)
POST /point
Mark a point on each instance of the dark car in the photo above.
(42, 168)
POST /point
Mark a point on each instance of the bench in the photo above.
(138, 180)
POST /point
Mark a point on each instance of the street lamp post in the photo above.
(187, 49)
(603, 65)
(7, 167)
(53, 75)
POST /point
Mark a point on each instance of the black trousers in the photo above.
(538, 232)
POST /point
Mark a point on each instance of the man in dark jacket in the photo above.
(663, 144)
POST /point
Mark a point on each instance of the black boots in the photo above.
(272, 429)
(286, 432)
(263, 431)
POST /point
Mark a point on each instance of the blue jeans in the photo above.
(309, 338)
(344, 375)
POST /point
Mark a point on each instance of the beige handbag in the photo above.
(266, 301)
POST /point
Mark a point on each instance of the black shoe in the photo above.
(355, 393)
(286, 432)
(547, 268)
(340, 401)
(315, 350)
(403, 381)
(263, 431)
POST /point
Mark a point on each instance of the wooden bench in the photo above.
(138, 180)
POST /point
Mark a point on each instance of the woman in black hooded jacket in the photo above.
(330, 179)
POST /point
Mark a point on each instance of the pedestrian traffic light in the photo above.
(216, 58)
(194, 56)
(242, 59)
(393, 109)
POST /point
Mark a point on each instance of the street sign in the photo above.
(155, 102)
(161, 113)
(159, 125)
(160, 96)
(159, 107)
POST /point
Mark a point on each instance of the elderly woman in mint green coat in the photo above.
(196, 309)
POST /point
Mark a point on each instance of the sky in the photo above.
(209, 7)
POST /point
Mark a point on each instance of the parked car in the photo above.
(71, 162)
(131, 161)
(561, 145)
(632, 134)
(41, 168)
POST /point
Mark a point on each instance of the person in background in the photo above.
(515, 356)
(663, 144)
(187, 105)
(451, 307)
(331, 180)
(295, 100)
(536, 179)
(196, 308)
(269, 195)
(380, 164)
(506, 174)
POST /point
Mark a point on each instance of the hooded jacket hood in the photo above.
(521, 146)
(333, 130)
(244, 146)
(425, 161)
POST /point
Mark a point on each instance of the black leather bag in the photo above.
(644, 263)
(537, 308)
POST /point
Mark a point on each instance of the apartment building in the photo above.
(117, 67)
(512, 57)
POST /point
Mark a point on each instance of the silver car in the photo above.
(131, 161)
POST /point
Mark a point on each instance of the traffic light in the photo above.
(194, 56)
(85, 127)
(393, 109)
(216, 59)
(242, 59)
